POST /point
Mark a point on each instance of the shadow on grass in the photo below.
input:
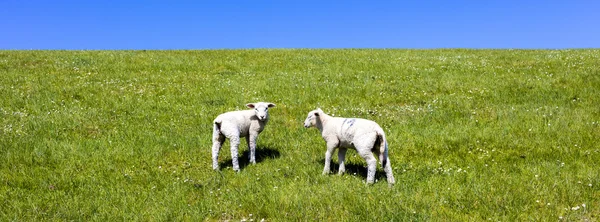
(262, 153)
(359, 169)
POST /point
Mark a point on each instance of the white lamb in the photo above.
(237, 124)
(365, 136)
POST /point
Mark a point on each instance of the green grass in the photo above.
(474, 135)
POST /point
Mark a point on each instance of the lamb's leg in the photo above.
(251, 140)
(330, 148)
(218, 140)
(387, 167)
(371, 164)
(235, 142)
(342, 160)
(364, 147)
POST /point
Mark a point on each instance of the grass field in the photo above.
(508, 135)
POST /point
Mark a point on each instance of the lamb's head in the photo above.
(311, 119)
(261, 109)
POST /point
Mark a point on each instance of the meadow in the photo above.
(474, 135)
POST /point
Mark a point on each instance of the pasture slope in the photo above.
(474, 135)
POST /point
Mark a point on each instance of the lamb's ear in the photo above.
(250, 105)
(319, 110)
(271, 105)
(316, 113)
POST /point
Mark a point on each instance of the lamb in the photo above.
(237, 124)
(365, 136)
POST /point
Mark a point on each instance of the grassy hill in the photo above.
(126, 135)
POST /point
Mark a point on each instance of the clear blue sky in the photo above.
(218, 24)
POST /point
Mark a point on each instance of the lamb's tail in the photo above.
(216, 128)
(383, 147)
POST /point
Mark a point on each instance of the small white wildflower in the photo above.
(583, 205)
(575, 208)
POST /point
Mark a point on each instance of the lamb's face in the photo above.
(311, 119)
(261, 109)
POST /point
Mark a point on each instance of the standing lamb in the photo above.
(237, 124)
(365, 136)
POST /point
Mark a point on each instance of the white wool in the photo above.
(237, 124)
(365, 136)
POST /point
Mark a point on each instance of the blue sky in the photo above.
(298, 24)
